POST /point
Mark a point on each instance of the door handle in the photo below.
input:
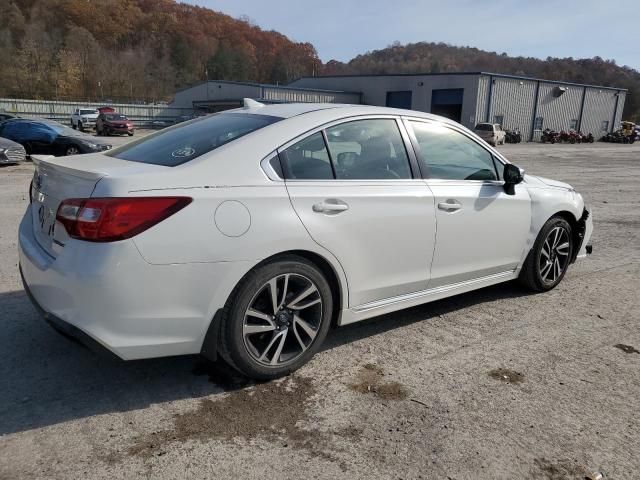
(449, 206)
(330, 206)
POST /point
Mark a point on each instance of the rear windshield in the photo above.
(485, 126)
(184, 142)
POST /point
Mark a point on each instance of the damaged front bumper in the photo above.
(583, 236)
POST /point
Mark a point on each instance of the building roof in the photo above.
(431, 74)
(264, 85)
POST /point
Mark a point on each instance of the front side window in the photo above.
(449, 155)
(307, 160)
(368, 150)
(184, 142)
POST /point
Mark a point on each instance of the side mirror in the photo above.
(512, 175)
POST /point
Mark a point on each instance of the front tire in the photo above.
(276, 319)
(72, 150)
(550, 256)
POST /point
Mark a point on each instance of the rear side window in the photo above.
(307, 160)
(184, 142)
(450, 155)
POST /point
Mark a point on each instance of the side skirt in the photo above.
(380, 307)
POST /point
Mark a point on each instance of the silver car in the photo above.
(11, 152)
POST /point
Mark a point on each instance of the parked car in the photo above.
(248, 234)
(492, 133)
(11, 152)
(112, 123)
(49, 137)
(84, 118)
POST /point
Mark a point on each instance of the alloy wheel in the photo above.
(73, 150)
(282, 320)
(554, 256)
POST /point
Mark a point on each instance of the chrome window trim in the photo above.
(268, 170)
(353, 118)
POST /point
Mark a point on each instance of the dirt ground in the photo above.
(497, 383)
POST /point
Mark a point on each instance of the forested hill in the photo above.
(440, 57)
(147, 49)
(143, 49)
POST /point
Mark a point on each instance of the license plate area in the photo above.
(43, 209)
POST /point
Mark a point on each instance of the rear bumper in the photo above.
(109, 295)
(65, 328)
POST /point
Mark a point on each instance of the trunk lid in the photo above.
(58, 178)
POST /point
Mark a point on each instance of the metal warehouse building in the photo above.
(217, 95)
(514, 102)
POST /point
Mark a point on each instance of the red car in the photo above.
(110, 123)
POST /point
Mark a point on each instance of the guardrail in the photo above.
(144, 116)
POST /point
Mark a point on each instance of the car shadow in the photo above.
(47, 378)
(425, 312)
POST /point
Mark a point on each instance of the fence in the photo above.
(145, 116)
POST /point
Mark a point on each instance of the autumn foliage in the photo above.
(147, 49)
(135, 49)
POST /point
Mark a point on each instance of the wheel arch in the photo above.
(337, 283)
(327, 269)
(577, 229)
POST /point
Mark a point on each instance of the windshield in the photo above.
(111, 118)
(64, 130)
(88, 112)
(184, 142)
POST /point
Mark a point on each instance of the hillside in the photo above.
(440, 57)
(137, 49)
(144, 50)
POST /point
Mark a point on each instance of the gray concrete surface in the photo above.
(496, 384)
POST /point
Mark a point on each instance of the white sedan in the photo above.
(248, 234)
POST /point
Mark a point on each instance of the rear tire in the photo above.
(274, 340)
(549, 259)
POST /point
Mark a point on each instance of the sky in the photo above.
(342, 29)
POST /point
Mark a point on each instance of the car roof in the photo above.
(337, 110)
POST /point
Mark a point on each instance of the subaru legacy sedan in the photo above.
(247, 234)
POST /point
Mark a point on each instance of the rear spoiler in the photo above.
(64, 164)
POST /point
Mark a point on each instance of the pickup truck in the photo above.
(84, 117)
(492, 133)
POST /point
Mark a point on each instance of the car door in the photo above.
(355, 190)
(481, 230)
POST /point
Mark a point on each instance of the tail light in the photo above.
(118, 218)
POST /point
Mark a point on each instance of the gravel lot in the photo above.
(494, 384)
